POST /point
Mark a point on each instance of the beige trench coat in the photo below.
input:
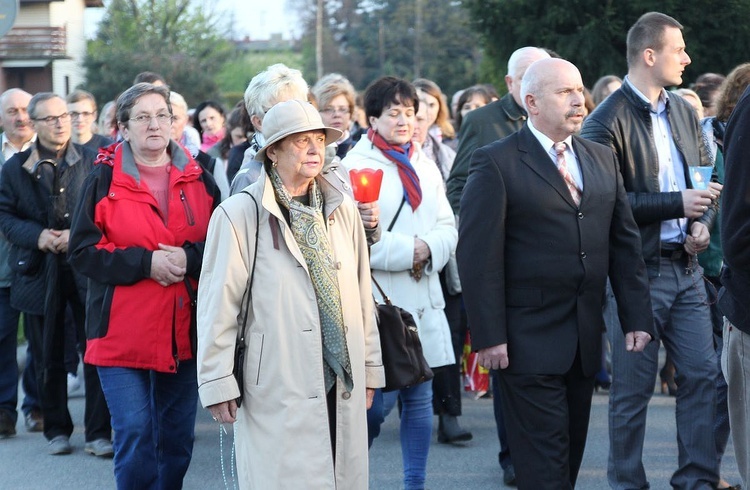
(282, 433)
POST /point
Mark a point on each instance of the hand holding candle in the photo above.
(366, 184)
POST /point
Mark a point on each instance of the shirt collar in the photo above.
(5, 144)
(546, 142)
(663, 97)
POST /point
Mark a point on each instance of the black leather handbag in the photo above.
(401, 349)
(240, 345)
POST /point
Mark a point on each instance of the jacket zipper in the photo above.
(188, 211)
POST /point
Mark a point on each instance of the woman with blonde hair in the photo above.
(335, 96)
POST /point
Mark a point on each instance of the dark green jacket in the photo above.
(481, 127)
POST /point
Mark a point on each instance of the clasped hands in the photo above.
(53, 241)
(421, 256)
(168, 265)
(496, 357)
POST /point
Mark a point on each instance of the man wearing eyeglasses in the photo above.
(39, 188)
(83, 114)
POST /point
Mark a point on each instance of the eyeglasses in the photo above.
(145, 119)
(336, 110)
(52, 120)
(85, 114)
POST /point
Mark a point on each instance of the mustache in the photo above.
(574, 113)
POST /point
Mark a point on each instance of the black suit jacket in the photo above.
(534, 266)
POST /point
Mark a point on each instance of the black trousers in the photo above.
(547, 420)
(446, 385)
(48, 353)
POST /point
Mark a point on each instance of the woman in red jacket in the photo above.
(138, 235)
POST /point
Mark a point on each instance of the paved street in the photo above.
(24, 463)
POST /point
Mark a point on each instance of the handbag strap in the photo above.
(382, 293)
(390, 227)
(252, 270)
(393, 221)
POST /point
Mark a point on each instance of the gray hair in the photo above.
(178, 100)
(130, 97)
(38, 99)
(522, 58)
(267, 87)
(4, 96)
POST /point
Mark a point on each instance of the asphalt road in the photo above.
(25, 464)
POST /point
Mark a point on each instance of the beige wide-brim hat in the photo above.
(292, 117)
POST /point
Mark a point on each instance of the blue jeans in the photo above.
(153, 417)
(416, 428)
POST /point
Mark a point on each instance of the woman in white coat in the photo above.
(313, 350)
(418, 238)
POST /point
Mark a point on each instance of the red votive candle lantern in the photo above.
(366, 184)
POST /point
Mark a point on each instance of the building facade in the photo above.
(44, 50)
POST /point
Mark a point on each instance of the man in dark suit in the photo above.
(536, 244)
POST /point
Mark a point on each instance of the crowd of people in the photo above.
(571, 232)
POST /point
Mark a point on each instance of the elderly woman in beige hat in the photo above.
(313, 350)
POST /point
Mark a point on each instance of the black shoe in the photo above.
(449, 430)
(509, 476)
(7, 425)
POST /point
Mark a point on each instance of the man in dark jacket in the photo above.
(492, 122)
(544, 220)
(656, 138)
(38, 192)
(735, 277)
(481, 127)
(17, 136)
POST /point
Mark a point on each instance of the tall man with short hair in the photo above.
(481, 127)
(655, 138)
(38, 191)
(544, 220)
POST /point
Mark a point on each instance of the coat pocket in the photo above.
(255, 358)
(24, 261)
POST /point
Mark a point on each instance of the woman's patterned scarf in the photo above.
(308, 227)
(401, 156)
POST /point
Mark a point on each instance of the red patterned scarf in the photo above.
(401, 156)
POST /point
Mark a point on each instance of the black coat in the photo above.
(623, 122)
(481, 127)
(734, 298)
(534, 266)
(28, 205)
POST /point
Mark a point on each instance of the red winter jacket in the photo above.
(131, 320)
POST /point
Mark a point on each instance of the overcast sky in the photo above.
(261, 18)
(255, 18)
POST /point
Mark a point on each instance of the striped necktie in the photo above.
(562, 166)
